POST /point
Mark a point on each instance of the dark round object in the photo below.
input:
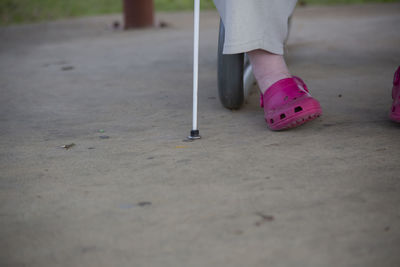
(230, 75)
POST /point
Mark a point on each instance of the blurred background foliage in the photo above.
(26, 11)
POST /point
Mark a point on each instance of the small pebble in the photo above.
(163, 24)
(116, 25)
(144, 203)
(264, 218)
(67, 68)
(68, 146)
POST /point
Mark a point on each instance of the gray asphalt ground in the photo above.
(324, 194)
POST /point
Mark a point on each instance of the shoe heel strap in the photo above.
(396, 82)
(261, 100)
(396, 78)
(300, 82)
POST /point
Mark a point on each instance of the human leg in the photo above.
(268, 68)
(260, 28)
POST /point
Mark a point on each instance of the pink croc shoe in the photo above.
(395, 111)
(288, 104)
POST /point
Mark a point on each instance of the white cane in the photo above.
(194, 133)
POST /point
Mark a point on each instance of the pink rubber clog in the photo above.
(288, 104)
(395, 111)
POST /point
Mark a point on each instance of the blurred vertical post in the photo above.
(138, 13)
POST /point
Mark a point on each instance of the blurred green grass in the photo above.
(26, 11)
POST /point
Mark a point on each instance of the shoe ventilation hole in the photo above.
(271, 121)
(283, 116)
(298, 109)
(393, 109)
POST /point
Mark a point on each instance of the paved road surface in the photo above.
(325, 194)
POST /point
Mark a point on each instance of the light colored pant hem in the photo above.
(253, 45)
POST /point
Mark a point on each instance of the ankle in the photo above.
(265, 82)
(268, 68)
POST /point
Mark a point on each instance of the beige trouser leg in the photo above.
(255, 24)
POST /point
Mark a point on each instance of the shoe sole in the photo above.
(297, 120)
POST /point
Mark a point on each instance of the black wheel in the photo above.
(230, 75)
